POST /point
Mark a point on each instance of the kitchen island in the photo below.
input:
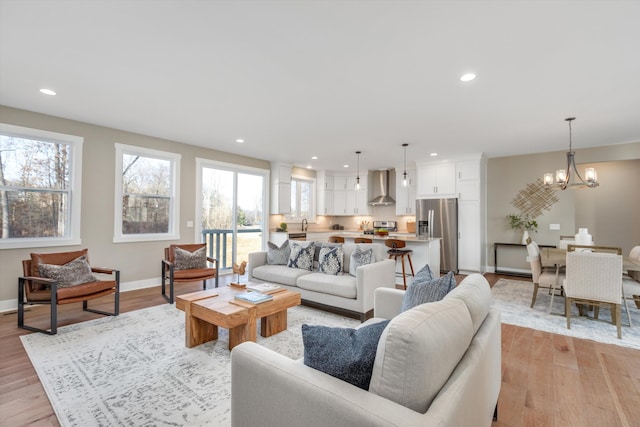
(426, 250)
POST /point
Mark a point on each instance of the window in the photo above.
(302, 200)
(40, 178)
(146, 201)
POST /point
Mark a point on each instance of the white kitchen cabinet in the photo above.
(406, 196)
(469, 236)
(280, 188)
(324, 197)
(346, 199)
(436, 180)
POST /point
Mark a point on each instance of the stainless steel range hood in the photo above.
(379, 189)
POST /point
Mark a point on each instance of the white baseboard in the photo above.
(12, 304)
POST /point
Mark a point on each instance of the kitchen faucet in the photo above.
(305, 224)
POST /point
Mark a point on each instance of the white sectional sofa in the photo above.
(437, 364)
(343, 293)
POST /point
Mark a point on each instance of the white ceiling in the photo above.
(327, 78)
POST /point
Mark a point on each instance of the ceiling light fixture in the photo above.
(433, 154)
(467, 77)
(47, 91)
(240, 141)
(314, 157)
(358, 171)
(563, 179)
(404, 174)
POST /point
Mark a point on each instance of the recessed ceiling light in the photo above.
(345, 166)
(314, 157)
(467, 77)
(308, 166)
(433, 154)
(240, 141)
(47, 91)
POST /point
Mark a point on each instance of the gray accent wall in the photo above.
(611, 211)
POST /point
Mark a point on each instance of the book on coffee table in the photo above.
(254, 297)
(263, 287)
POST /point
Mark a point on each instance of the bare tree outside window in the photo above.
(34, 187)
(146, 194)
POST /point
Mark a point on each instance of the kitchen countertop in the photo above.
(407, 237)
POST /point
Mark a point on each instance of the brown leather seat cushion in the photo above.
(195, 274)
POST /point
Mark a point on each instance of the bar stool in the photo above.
(336, 239)
(362, 240)
(397, 251)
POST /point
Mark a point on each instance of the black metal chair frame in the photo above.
(169, 267)
(53, 302)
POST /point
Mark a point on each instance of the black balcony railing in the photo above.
(219, 241)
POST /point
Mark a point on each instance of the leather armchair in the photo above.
(172, 274)
(33, 288)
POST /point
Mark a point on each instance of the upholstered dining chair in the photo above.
(63, 278)
(594, 278)
(543, 277)
(187, 263)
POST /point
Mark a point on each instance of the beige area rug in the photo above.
(134, 370)
(513, 297)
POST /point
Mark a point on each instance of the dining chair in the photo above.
(543, 277)
(631, 279)
(594, 278)
(610, 250)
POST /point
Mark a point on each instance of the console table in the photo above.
(511, 273)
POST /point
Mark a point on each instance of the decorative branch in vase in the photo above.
(523, 223)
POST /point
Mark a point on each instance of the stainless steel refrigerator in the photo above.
(439, 218)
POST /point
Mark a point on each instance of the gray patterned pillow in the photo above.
(358, 258)
(330, 260)
(344, 353)
(278, 255)
(301, 257)
(420, 292)
(186, 260)
(73, 273)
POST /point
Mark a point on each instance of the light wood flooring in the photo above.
(547, 379)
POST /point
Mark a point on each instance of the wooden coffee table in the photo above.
(207, 310)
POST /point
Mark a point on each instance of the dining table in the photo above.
(557, 257)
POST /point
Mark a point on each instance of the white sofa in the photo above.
(437, 364)
(344, 293)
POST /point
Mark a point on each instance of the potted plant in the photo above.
(283, 227)
(522, 223)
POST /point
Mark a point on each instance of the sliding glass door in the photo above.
(232, 210)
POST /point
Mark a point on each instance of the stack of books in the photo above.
(265, 288)
(254, 297)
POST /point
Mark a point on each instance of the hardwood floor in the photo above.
(547, 379)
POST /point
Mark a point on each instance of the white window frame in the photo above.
(312, 217)
(174, 205)
(74, 191)
(231, 167)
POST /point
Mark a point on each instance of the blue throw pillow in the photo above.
(330, 260)
(344, 353)
(424, 275)
(301, 256)
(423, 291)
(359, 258)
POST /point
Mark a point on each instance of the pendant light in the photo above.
(404, 174)
(570, 177)
(358, 171)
